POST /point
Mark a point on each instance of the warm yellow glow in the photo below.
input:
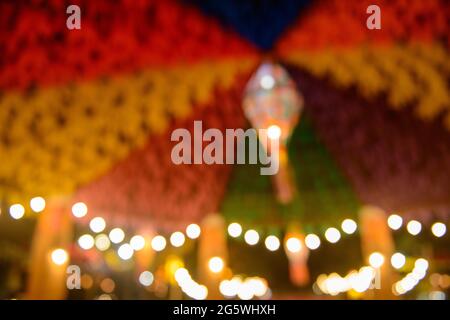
(193, 231)
(146, 278)
(216, 264)
(59, 256)
(37, 204)
(376, 260)
(312, 241)
(97, 224)
(17, 211)
(438, 229)
(102, 242)
(137, 242)
(79, 210)
(398, 260)
(332, 235)
(414, 227)
(86, 242)
(125, 251)
(294, 245)
(395, 221)
(274, 132)
(272, 243)
(234, 229)
(116, 235)
(349, 226)
(158, 243)
(177, 239)
(107, 285)
(251, 237)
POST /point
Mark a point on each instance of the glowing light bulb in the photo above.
(37, 204)
(177, 239)
(376, 260)
(216, 264)
(332, 235)
(421, 264)
(312, 241)
(102, 242)
(398, 260)
(274, 132)
(86, 242)
(79, 210)
(251, 237)
(125, 251)
(116, 235)
(234, 230)
(146, 278)
(395, 221)
(59, 256)
(17, 211)
(267, 82)
(158, 243)
(193, 231)
(438, 229)
(137, 242)
(272, 243)
(349, 226)
(294, 245)
(97, 224)
(414, 227)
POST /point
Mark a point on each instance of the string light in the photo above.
(395, 221)
(86, 242)
(216, 264)
(272, 243)
(17, 211)
(193, 231)
(79, 210)
(59, 256)
(376, 260)
(146, 278)
(177, 239)
(294, 245)
(158, 243)
(97, 224)
(414, 227)
(102, 242)
(189, 286)
(332, 235)
(398, 260)
(438, 229)
(116, 235)
(312, 241)
(125, 251)
(37, 204)
(234, 230)
(137, 242)
(251, 237)
(349, 226)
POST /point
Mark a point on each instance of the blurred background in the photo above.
(92, 206)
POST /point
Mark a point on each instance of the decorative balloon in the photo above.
(272, 102)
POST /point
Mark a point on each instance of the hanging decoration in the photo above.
(272, 102)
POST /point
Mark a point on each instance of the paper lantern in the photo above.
(272, 102)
